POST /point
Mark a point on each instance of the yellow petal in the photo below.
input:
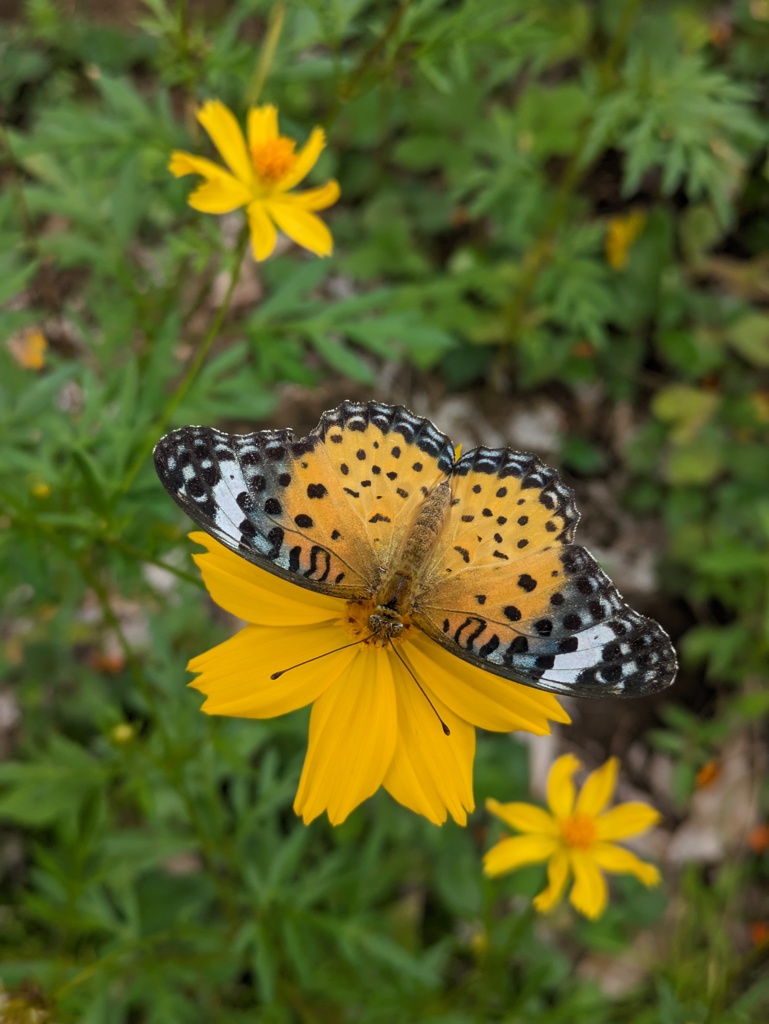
(263, 233)
(622, 862)
(557, 875)
(598, 789)
(316, 198)
(219, 196)
(626, 820)
(352, 739)
(524, 817)
(479, 697)
(253, 594)
(431, 773)
(590, 893)
(185, 163)
(517, 852)
(301, 226)
(262, 125)
(560, 786)
(226, 135)
(235, 675)
(306, 159)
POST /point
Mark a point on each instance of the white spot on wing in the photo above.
(587, 655)
(228, 514)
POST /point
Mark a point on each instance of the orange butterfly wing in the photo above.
(507, 590)
(327, 511)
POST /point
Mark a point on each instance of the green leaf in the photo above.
(14, 279)
(582, 456)
(687, 409)
(265, 963)
(39, 793)
(695, 462)
(127, 205)
(341, 358)
(750, 337)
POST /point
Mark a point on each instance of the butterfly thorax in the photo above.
(395, 597)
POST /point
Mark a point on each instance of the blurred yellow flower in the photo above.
(575, 838)
(262, 171)
(28, 348)
(375, 710)
(620, 235)
(122, 733)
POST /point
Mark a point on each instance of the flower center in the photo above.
(365, 619)
(578, 831)
(273, 159)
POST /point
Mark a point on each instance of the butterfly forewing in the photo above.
(327, 510)
(387, 461)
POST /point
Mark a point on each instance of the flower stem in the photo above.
(349, 88)
(272, 36)
(193, 370)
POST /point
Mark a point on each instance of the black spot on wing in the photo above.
(395, 421)
(533, 475)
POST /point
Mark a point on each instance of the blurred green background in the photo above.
(553, 234)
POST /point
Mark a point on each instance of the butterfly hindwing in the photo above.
(511, 593)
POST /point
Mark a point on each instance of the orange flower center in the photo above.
(365, 620)
(578, 831)
(273, 159)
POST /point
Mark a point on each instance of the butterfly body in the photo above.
(397, 595)
(477, 552)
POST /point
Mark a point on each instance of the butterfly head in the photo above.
(385, 625)
(369, 622)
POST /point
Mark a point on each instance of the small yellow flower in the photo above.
(576, 837)
(620, 235)
(122, 733)
(375, 710)
(262, 171)
(41, 490)
(28, 348)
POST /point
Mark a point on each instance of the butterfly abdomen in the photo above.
(396, 592)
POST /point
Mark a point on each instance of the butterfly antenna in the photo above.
(446, 730)
(277, 675)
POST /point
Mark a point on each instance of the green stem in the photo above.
(271, 39)
(136, 555)
(200, 356)
(15, 183)
(348, 88)
(192, 371)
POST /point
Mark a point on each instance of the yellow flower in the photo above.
(377, 712)
(262, 171)
(575, 838)
(620, 235)
(28, 348)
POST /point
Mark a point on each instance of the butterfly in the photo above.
(476, 551)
